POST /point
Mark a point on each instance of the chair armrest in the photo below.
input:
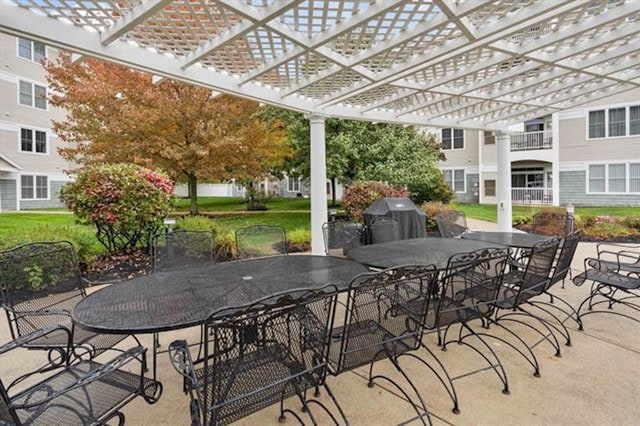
(180, 358)
(41, 312)
(94, 375)
(27, 338)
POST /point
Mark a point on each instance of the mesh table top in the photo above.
(508, 239)
(417, 251)
(182, 298)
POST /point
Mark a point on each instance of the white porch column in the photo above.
(555, 164)
(318, 183)
(503, 181)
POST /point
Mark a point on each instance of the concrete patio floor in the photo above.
(596, 381)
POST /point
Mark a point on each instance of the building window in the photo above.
(634, 120)
(33, 141)
(596, 124)
(489, 138)
(455, 178)
(490, 188)
(617, 122)
(614, 122)
(31, 50)
(617, 177)
(452, 139)
(33, 95)
(620, 178)
(293, 184)
(634, 177)
(34, 187)
(597, 178)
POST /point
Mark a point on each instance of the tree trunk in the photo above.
(333, 192)
(192, 183)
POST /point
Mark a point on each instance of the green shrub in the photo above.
(607, 231)
(225, 247)
(431, 209)
(632, 222)
(522, 220)
(299, 240)
(83, 238)
(195, 223)
(433, 188)
(360, 195)
(125, 202)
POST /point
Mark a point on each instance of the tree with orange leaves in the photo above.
(115, 114)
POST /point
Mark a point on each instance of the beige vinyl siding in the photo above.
(467, 157)
(574, 146)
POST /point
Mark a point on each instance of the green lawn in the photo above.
(488, 211)
(230, 204)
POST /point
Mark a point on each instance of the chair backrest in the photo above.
(341, 234)
(554, 224)
(566, 251)
(380, 320)
(290, 330)
(182, 249)
(384, 230)
(471, 285)
(451, 223)
(537, 273)
(261, 240)
(39, 276)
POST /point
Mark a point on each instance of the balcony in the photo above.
(531, 195)
(530, 141)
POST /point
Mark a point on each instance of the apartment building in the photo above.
(585, 156)
(31, 170)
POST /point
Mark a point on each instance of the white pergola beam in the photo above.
(130, 20)
(243, 27)
(513, 23)
(339, 29)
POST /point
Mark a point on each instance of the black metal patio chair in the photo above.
(614, 284)
(82, 392)
(340, 236)
(561, 269)
(182, 249)
(451, 223)
(378, 325)
(259, 355)
(384, 230)
(469, 293)
(261, 240)
(519, 286)
(40, 285)
(552, 223)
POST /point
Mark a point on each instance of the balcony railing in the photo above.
(531, 195)
(529, 141)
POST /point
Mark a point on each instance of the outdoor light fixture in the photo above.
(169, 223)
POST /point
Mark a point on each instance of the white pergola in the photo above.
(475, 64)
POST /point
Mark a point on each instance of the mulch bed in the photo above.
(118, 268)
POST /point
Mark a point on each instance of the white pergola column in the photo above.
(503, 181)
(555, 164)
(318, 183)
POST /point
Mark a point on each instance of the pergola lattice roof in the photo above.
(461, 63)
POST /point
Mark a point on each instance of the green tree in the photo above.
(365, 151)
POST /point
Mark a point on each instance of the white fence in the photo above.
(211, 190)
(528, 141)
(531, 195)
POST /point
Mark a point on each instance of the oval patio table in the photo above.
(183, 298)
(417, 251)
(519, 240)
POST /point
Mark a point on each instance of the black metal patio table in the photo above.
(179, 299)
(417, 251)
(518, 240)
(183, 298)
